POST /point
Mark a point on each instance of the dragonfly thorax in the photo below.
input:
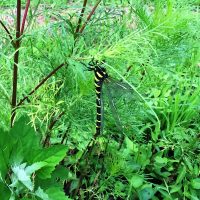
(99, 71)
(100, 74)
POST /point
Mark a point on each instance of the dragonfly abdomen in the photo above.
(100, 76)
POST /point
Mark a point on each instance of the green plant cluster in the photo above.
(152, 46)
(26, 168)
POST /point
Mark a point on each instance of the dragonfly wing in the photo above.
(120, 88)
(119, 84)
(114, 109)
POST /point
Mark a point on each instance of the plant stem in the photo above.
(65, 134)
(51, 125)
(8, 32)
(16, 61)
(81, 16)
(25, 16)
(89, 16)
(53, 122)
(40, 84)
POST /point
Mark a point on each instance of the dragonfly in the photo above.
(102, 78)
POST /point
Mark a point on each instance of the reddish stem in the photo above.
(16, 61)
(53, 122)
(25, 16)
(40, 84)
(81, 16)
(89, 16)
(8, 32)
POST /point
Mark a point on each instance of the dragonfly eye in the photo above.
(98, 68)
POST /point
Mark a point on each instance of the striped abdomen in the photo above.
(100, 76)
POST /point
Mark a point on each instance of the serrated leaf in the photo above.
(21, 175)
(195, 183)
(46, 172)
(52, 156)
(136, 181)
(34, 167)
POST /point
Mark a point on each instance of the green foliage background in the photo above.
(159, 157)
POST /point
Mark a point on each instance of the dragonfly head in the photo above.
(98, 68)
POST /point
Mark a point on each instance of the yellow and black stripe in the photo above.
(100, 75)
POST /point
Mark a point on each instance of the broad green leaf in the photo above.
(3, 164)
(26, 198)
(20, 174)
(43, 195)
(119, 188)
(26, 142)
(63, 173)
(146, 194)
(46, 172)
(129, 144)
(175, 188)
(5, 150)
(56, 194)
(17, 155)
(5, 193)
(194, 194)
(26, 134)
(136, 180)
(144, 154)
(34, 167)
(52, 156)
(156, 92)
(195, 183)
(161, 160)
(23, 174)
